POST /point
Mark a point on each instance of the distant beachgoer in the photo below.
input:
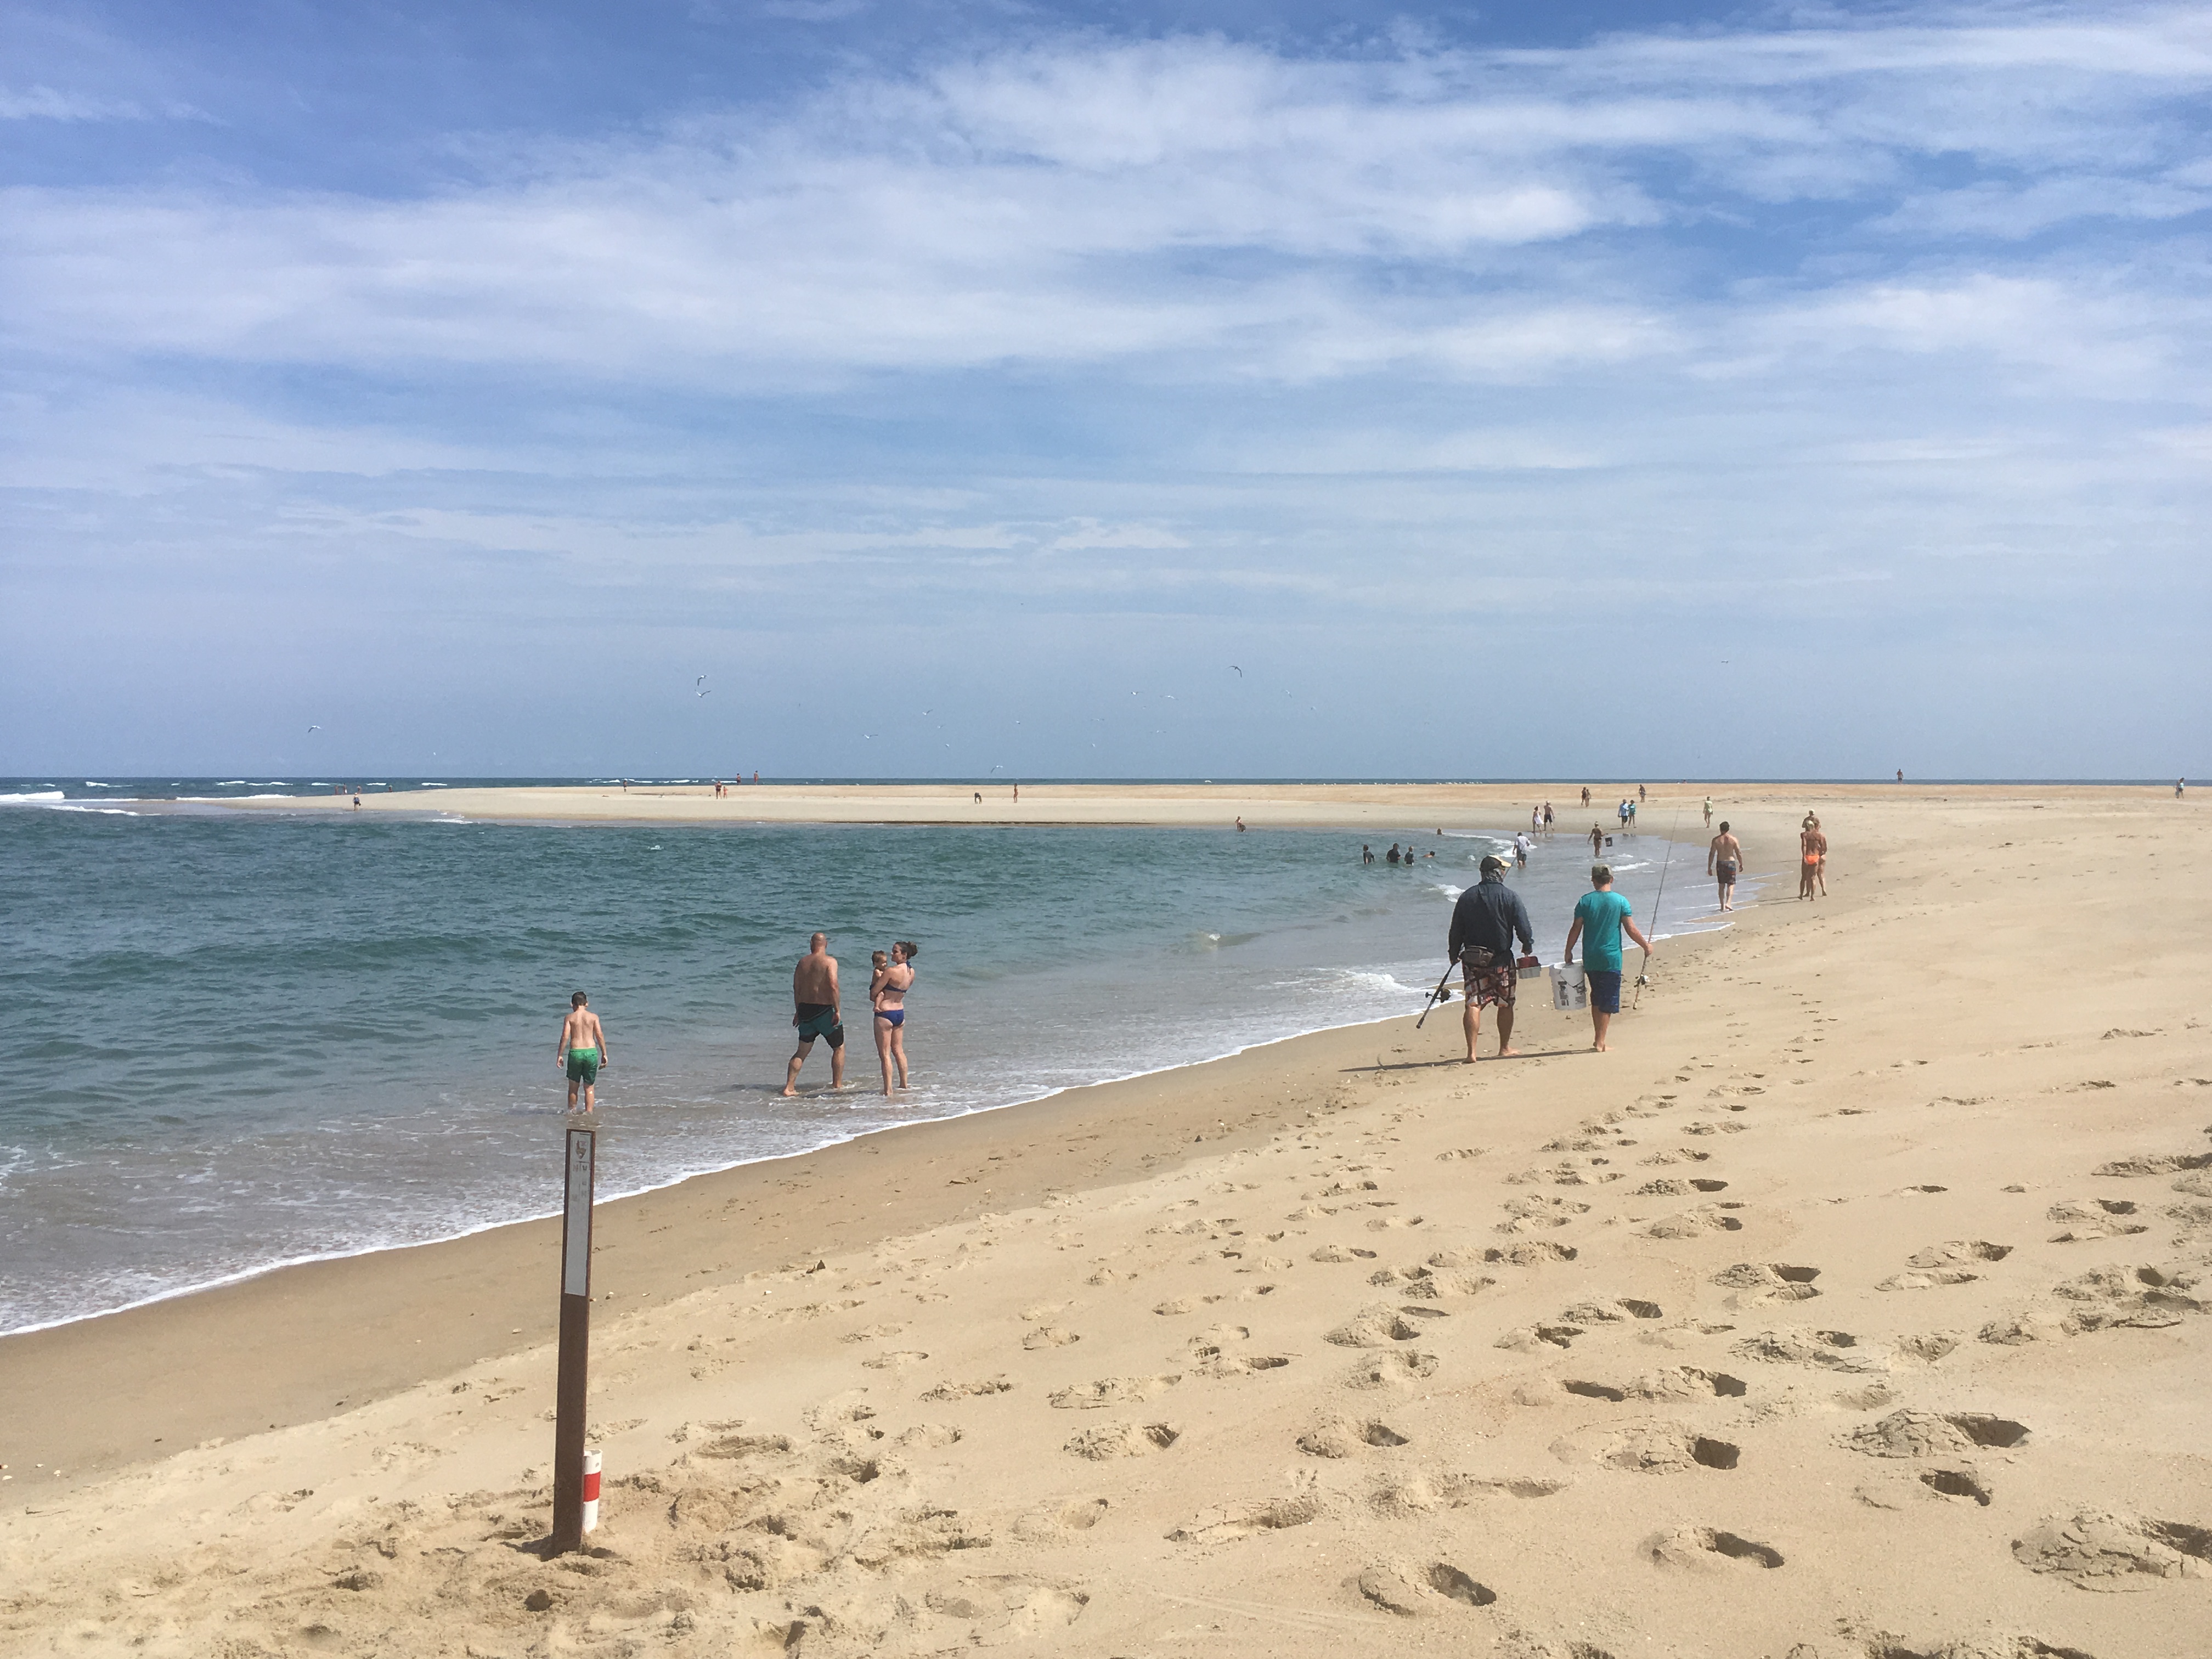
(2178, 784)
(1640, 795)
(1484, 922)
(1392, 855)
(1548, 818)
(1709, 811)
(1366, 853)
(1535, 819)
(756, 774)
(582, 1048)
(1724, 859)
(1586, 794)
(979, 798)
(1900, 774)
(1597, 840)
(1017, 794)
(1520, 845)
(1621, 811)
(887, 989)
(1813, 847)
(814, 991)
(356, 797)
(1239, 825)
(1600, 916)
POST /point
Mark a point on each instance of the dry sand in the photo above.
(1852, 1306)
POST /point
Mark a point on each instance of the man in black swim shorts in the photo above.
(814, 990)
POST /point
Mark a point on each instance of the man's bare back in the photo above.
(815, 979)
(816, 1014)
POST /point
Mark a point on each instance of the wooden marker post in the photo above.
(568, 1411)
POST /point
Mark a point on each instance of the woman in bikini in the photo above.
(887, 987)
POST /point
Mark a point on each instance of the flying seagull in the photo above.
(1240, 672)
(702, 688)
(314, 728)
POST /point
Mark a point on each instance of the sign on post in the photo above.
(569, 1405)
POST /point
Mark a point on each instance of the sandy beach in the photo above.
(1853, 1305)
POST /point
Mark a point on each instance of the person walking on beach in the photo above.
(1640, 796)
(1520, 845)
(1597, 839)
(583, 1049)
(814, 991)
(1601, 915)
(1724, 859)
(2178, 783)
(1586, 794)
(887, 988)
(1709, 811)
(1813, 848)
(1486, 921)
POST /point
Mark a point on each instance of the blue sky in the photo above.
(1608, 390)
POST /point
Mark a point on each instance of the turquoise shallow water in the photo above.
(244, 1040)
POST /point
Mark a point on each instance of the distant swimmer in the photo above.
(814, 990)
(1724, 859)
(1392, 855)
(1366, 853)
(1240, 826)
(1813, 851)
(887, 988)
(1600, 916)
(583, 1049)
(1484, 922)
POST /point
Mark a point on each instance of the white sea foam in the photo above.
(227, 783)
(105, 811)
(33, 798)
(90, 784)
(427, 785)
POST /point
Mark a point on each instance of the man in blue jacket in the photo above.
(1484, 923)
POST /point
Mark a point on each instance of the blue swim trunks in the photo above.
(819, 1019)
(1604, 990)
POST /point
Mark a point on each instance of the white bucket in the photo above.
(591, 1490)
(1569, 988)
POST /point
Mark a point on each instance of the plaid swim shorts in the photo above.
(1491, 979)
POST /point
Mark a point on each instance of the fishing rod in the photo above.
(1434, 994)
(1644, 978)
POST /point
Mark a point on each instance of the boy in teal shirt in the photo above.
(1601, 915)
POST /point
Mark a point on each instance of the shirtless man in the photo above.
(1724, 859)
(583, 1049)
(814, 991)
(1597, 840)
(1812, 849)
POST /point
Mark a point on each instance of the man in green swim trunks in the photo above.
(583, 1050)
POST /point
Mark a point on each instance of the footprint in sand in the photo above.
(1673, 1383)
(1609, 1313)
(898, 1359)
(1836, 1351)
(1421, 1589)
(1704, 1548)
(2156, 1163)
(1400, 1368)
(2105, 1550)
(944, 1391)
(1050, 1336)
(1767, 1281)
(1648, 1448)
(1378, 1326)
(1112, 1391)
(1223, 1524)
(1910, 1433)
(2144, 1298)
(1123, 1440)
(2091, 1218)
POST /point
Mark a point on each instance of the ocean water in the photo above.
(246, 1039)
